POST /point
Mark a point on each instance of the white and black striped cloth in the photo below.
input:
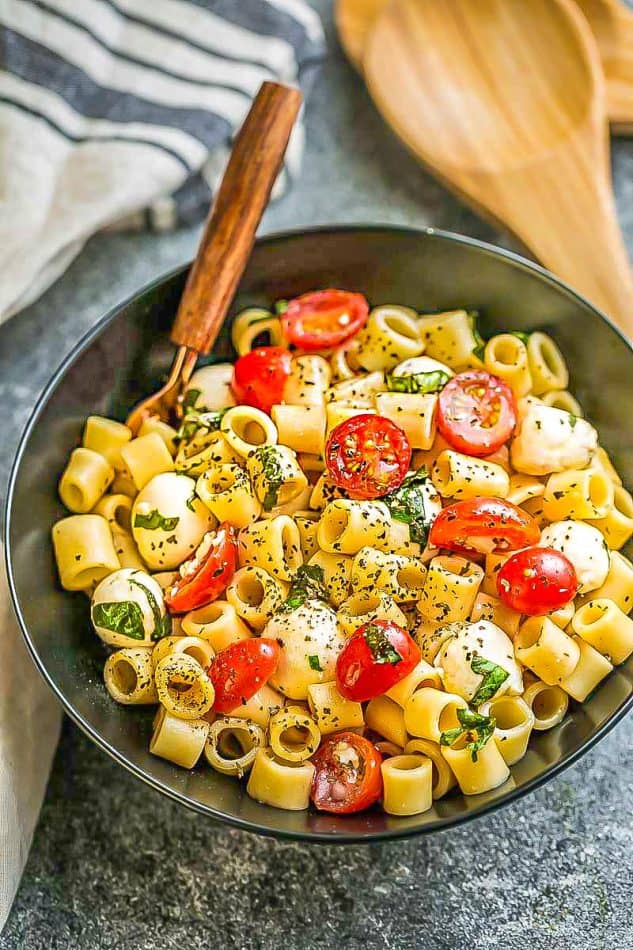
(122, 112)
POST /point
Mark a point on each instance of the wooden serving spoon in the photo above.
(610, 20)
(504, 101)
(227, 240)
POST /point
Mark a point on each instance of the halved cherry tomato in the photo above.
(477, 412)
(376, 657)
(347, 774)
(484, 525)
(259, 377)
(367, 456)
(537, 581)
(238, 671)
(324, 318)
(206, 573)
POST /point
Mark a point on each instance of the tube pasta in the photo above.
(324, 492)
(201, 650)
(145, 457)
(487, 607)
(591, 669)
(232, 745)
(605, 627)
(399, 576)
(442, 777)
(183, 687)
(106, 437)
(493, 564)
(430, 712)
(255, 595)
(386, 718)
(358, 391)
(156, 426)
(129, 677)
(202, 452)
(337, 571)
(331, 711)
(524, 487)
(365, 607)
(414, 413)
(602, 461)
(506, 356)
(254, 323)
(116, 509)
(301, 427)
(310, 377)
(588, 493)
(547, 366)
(217, 623)
(84, 551)
(562, 399)
(461, 476)
(307, 523)
(293, 735)
(514, 721)
(617, 523)
(260, 707)
(476, 775)
(548, 703)
(245, 428)
(449, 337)
(407, 784)
(274, 544)
(546, 650)
(451, 586)
(282, 785)
(423, 674)
(276, 475)
(346, 526)
(227, 492)
(178, 740)
(617, 586)
(391, 335)
(85, 480)
(126, 549)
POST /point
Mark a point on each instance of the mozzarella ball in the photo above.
(551, 440)
(421, 364)
(213, 384)
(128, 609)
(175, 521)
(585, 547)
(310, 640)
(483, 639)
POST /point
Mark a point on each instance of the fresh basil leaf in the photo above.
(430, 382)
(315, 663)
(122, 616)
(280, 307)
(493, 677)
(162, 624)
(190, 399)
(478, 730)
(154, 521)
(307, 584)
(191, 502)
(273, 473)
(382, 649)
(524, 337)
(408, 504)
(572, 420)
(480, 343)
(209, 420)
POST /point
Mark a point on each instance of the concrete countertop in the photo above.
(114, 865)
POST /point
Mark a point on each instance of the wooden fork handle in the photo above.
(229, 231)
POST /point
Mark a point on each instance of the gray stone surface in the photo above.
(116, 866)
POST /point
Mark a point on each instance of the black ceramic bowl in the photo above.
(123, 357)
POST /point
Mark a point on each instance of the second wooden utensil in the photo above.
(504, 101)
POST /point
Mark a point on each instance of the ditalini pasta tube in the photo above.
(443, 778)
(145, 457)
(591, 669)
(387, 719)
(366, 606)
(227, 492)
(178, 740)
(129, 676)
(547, 365)
(506, 356)
(548, 703)
(84, 551)
(391, 335)
(249, 325)
(293, 734)
(183, 686)
(255, 595)
(617, 523)
(476, 773)
(604, 626)
(430, 712)
(245, 428)
(346, 525)
(514, 723)
(407, 784)
(217, 623)
(301, 428)
(399, 576)
(86, 478)
(106, 437)
(423, 674)
(617, 585)
(232, 745)
(586, 493)
(414, 413)
(450, 590)
(166, 432)
(276, 475)
(461, 476)
(449, 337)
(273, 545)
(331, 711)
(282, 785)
(337, 570)
(196, 647)
(309, 378)
(546, 650)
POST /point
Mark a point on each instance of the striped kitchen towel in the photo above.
(122, 112)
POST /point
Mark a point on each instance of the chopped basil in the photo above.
(191, 502)
(121, 616)
(493, 677)
(209, 420)
(478, 730)
(154, 520)
(480, 343)
(408, 503)
(524, 337)
(430, 382)
(267, 455)
(280, 307)
(315, 663)
(190, 399)
(572, 419)
(307, 584)
(382, 649)
(162, 624)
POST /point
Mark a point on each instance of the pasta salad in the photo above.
(376, 554)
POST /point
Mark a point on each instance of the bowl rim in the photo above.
(236, 821)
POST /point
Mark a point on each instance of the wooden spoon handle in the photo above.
(229, 231)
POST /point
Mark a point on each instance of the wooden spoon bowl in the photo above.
(503, 100)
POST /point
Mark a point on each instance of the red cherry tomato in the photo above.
(323, 319)
(347, 775)
(207, 572)
(477, 412)
(367, 456)
(259, 377)
(376, 657)
(537, 581)
(484, 525)
(238, 671)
